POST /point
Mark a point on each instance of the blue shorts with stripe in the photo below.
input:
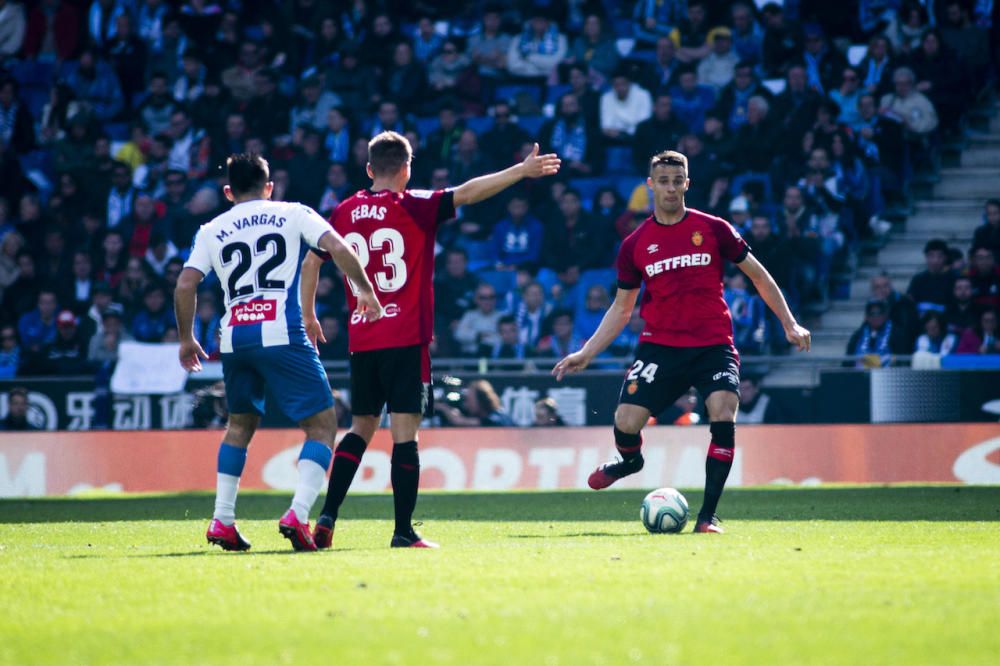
(293, 374)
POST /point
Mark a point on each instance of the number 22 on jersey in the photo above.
(390, 243)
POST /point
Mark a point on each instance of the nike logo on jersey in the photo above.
(253, 312)
(366, 212)
(681, 261)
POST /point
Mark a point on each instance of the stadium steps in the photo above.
(951, 212)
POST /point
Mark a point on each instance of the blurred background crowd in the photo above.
(805, 122)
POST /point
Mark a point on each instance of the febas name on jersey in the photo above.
(256, 250)
(364, 212)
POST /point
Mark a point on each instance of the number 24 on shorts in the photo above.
(645, 371)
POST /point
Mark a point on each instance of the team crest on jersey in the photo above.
(632, 387)
(697, 239)
(253, 312)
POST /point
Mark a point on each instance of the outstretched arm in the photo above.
(769, 291)
(484, 187)
(613, 323)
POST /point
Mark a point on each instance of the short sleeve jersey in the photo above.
(682, 268)
(393, 234)
(256, 249)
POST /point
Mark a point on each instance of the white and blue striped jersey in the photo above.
(256, 249)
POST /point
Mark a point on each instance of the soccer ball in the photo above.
(664, 511)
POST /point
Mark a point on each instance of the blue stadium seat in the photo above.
(29, 73)
(547, 278)
(117, 131)
(557, 91)
(480, 253)
(619, 160)
(606, 277)
(531, 124)
(587, 187)
(511, 92)
(35, 98)
(479, 124)
(625, 185)
(425, 126)
(503, 281)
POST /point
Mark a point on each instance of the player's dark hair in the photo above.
(992, 202)
(506, 319)
(248, 173)
(18, 391)
(668, 158)
(388, 153)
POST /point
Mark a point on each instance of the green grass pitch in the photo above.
(834, 575)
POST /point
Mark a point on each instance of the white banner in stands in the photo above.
(148, 368)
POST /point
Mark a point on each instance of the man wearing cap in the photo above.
(67, 354)
(717, 68)
(877, 340)
(931, 288)
(824, 65)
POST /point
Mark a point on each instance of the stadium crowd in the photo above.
(115, 116)
(950, 307)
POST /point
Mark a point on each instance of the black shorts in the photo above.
(662, 374)
(399, 377)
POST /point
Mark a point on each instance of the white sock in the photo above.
(311, 479)
(226, 487)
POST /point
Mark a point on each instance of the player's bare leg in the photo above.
(320, 429)
(722, 407)
(405, 477)
(222, 530)
(629, 421)
(346, 461)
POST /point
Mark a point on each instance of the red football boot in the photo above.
(323, 534)
(296, 532)
(710, 526)
(226, 536)
(608, 473)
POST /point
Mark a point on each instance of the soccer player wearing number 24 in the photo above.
(392, 229)
(688, 339)
(256, 250)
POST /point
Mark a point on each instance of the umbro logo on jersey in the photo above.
(253, 312)
(652, 248)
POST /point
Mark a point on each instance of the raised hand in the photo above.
(536, 166)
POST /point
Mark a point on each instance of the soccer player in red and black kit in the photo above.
(393, 229)
(688, 339)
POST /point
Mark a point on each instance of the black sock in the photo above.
(405, 477)
(717, 465)
(346, 461)
(629, 445)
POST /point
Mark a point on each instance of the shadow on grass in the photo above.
(213, 553)
(857, 503)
